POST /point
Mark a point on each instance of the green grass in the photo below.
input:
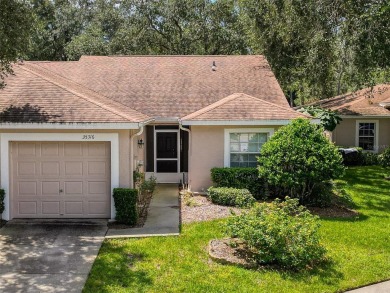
(359, 249)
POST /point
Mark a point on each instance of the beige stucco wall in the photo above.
(125, 177)
(345, 132)
(206, 152)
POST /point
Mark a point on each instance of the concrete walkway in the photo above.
(383, 287)
(163, 216)
(48, 256)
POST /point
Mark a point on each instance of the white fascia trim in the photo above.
(6, 138)
(364, 116)
(226, 145)
(69, 125)
(242, 122)
(376, 145)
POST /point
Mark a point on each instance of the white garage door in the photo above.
(60, 179)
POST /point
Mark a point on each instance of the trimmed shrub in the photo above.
(298, 157)
(228, 196)
(126, 205)
(281, 233)
(2, 196)
(240, 178)
(384, 158)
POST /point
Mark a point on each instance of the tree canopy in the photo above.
(317, 48)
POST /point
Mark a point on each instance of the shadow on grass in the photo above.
(326, 272)
(115, 268)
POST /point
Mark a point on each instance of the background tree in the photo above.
(14, 34)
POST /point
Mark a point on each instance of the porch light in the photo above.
(140, 143)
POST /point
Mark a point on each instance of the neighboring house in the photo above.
(70, 132)
(366, 118)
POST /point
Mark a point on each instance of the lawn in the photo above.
(359, 249)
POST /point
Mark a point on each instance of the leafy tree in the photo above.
(56, 23)
(299, 158)
(14, 34)
(162, 27)
(329, 119)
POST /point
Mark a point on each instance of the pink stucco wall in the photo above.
(206, 152)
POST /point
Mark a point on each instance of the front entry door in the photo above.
(167, 154)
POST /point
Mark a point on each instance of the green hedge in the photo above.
(231, 196)
(2, 196)
(384, 158)
(240, 178)
(126, 205)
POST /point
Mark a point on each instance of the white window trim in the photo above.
(376, 138)
(6, 138)
(269, 131)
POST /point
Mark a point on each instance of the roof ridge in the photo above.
(276, 105)
(70, 85)
(233, 97)
(212, 106)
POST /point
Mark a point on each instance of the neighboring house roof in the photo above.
(140, 88)
(240, 106)
(373, 101)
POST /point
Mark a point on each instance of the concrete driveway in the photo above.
(48, 256)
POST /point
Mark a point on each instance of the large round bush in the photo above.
(282, 233)
(299, 158)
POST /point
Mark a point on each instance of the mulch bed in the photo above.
(198, 208)
(222, 251)
(334, 212)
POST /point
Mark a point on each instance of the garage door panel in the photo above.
(73, 187)
(74, 168)
(51, 208)
(97, 207)
(97, 149)
(26, 168)
(50, 149)
(60, 180)
(73, 149)
(26, 149)
(50, 168)
(97, 168)
(28, 188)
(26, 208)
(51, 188)
(74, 207)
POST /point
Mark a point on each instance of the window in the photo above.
(367, 135)
(242, 146)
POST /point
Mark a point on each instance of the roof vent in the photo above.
(214, 67)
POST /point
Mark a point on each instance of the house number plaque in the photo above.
(88, 136)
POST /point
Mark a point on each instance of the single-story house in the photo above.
(70, 132)
(366, 118)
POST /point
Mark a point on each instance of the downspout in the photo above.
(141, 130)
(189, 147)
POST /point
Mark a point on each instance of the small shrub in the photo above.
(148, 185)
(281, 233)
(384, 158)
(231, 196)
(240, 178)
(2, 205)
(370, 159)
(125, 200)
